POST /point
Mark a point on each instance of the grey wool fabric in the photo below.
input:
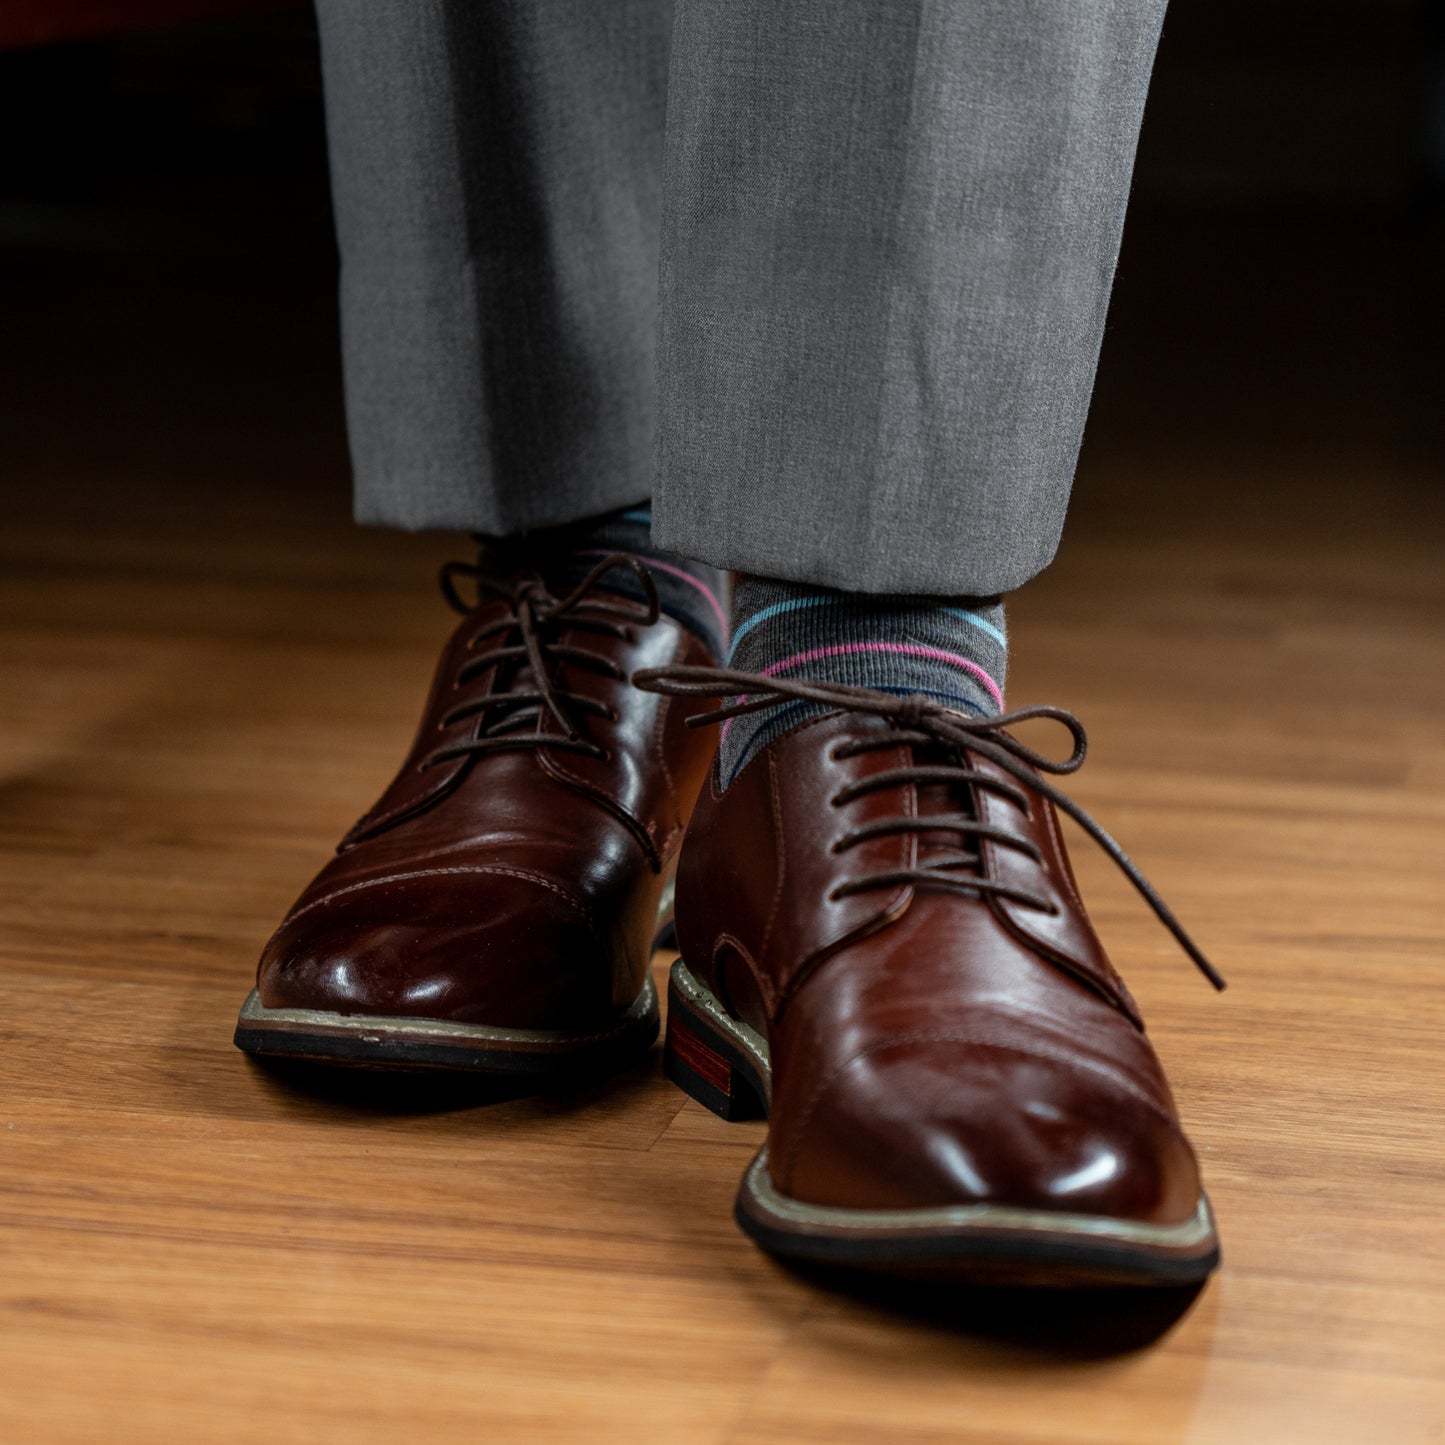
(825, 278)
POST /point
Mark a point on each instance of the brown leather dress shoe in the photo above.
(496, 910)
(884, 950)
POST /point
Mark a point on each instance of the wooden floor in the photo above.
(208, 673)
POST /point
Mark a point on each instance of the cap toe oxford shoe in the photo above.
(883, 949)
(495, 911)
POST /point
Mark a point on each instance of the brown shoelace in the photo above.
(529, 683)
(924, 723)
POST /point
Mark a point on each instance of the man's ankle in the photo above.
(953, 649)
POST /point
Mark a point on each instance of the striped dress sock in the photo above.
(691, 593)
(954, 649)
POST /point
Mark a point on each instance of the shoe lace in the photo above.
(922, 722)
(530, 657)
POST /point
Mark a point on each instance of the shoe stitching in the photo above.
(1056, 842)
(601, 793)
(659, 756)
(523, 873)
(760, 977)
(623, 1025)
(929, 1036)
(792, 979)
(780, 854)
(715, 775)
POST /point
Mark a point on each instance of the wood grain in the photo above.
(207, 673)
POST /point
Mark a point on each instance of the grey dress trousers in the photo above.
(825, 278)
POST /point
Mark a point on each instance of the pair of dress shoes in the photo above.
(882, 947)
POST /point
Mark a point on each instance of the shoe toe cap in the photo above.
(512, 952)
(922, 1125)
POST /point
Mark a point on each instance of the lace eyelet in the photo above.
(831, 896)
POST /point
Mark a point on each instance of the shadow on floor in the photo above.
(1060, 1324)
(381, 1092)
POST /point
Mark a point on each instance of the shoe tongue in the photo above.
(516, 675)
(519, 677)
(563, 572)
(559, 570)
(940, 799)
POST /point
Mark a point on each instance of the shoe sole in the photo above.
(374, 1041)
(724, 1065)
(422, 1045)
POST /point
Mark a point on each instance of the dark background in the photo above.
(165, 239)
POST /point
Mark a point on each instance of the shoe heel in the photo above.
(705, 1066)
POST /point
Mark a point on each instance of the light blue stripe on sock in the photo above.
(982, 623)
(791, 605)
(794, 604)
(640, 515)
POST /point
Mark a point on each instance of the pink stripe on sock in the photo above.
(903, 649)
(686, 576)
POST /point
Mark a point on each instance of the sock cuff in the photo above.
(778, 627)
(954, 649)
(691, 593)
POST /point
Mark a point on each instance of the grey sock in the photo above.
(954, 649)
(691, 593)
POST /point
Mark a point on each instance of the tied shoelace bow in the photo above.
(922, 722)
(529, 684)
